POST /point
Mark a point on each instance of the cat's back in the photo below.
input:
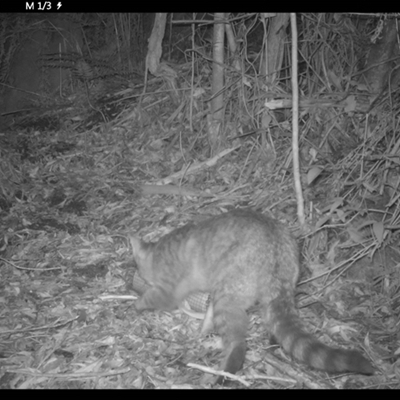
(238, 237)
(235, 226)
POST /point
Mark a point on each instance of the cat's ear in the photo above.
(138, 249)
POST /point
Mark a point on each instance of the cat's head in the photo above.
(143, 257)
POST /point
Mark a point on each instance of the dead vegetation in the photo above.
(116, 165)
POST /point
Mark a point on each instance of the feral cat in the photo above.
(240, 258)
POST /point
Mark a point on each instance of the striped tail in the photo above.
(282, 320)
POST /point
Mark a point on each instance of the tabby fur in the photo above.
(241, 258)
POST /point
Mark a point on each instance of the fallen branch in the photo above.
(196, 167)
